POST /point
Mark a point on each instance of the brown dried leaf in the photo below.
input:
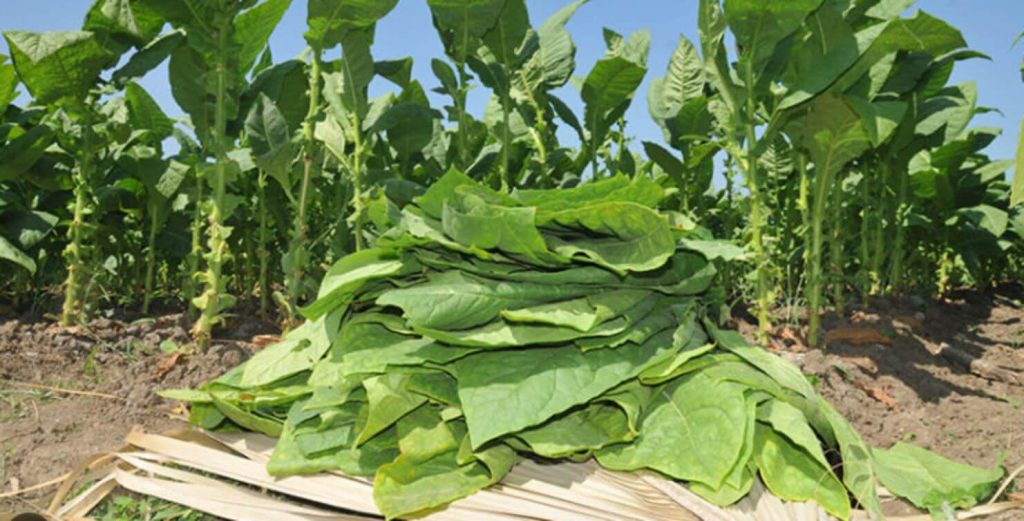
(265, 340)
(858, 336)
(879, 394)
(165, 365)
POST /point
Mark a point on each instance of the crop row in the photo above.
(848, 162)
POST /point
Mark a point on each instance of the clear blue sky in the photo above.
(989, 26)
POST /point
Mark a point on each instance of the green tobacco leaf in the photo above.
(760, 26)
(788, 421)
(834, 134)
(296, 353)
(609, 86)
(932, 482)
(330, 20)
(556, 54)
(501, 334)
(245, 418)
(620, 188)
(368, 346)
(124, 18)
(581, 314)
(270, 139)
(590, 428)
(1017, 193)
(504, 38)
(9, 252)
(389, 401)
(60, 64)
(18, 156)
(689, 432)
(621, 236)
(921, 33)
(145, 113)
(27, 228)
(451, 300)
(187, 70)
(253, 29)
(683, 81)
(507, 391)
(793, 475)
(474, 222)
(462, 24)
(345, 90)
(8, 83)
(832, 48)
(429, 472)
(286, 84)
(349, 274)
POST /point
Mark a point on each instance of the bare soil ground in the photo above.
(879, 370)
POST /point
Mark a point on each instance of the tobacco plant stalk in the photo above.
(214, 296)
(300, 231)
(150, 261)
(762, 290)
(264, 254)
(74, 293)
(822, 182)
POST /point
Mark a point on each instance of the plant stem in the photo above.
(821, 184)
(896, 268)
(460, 105)
(756, 218)
(195, 255)
(218, 233)
(262, 251)
(836, 250)
(300, 232)
(357, 185)
(150, 260)
(506, 139)
(73, 310)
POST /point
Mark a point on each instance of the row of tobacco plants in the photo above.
(829, 145)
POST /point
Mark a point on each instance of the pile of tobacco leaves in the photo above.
(578, 323)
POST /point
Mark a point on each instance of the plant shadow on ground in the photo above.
(904, 392)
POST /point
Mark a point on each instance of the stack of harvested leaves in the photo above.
(485, 328)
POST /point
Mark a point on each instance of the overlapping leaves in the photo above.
(487, 327)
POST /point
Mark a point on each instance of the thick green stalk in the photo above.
(196, 252)
(217, 232)
(866, 210)
(460, 105)
(506, 140)
(878, 231)
(74, 308)
(300, 231)
(814, 280)
(150, 260)
(262, 251)
(896, 268)
(836, 251)
(762, 292)
(357, 185)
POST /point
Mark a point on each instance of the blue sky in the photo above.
(988, 26)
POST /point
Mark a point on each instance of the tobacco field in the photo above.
(457, 290)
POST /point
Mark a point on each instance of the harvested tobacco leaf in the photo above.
(484, 327)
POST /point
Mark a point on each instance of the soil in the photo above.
(47, 426)
(890, 386)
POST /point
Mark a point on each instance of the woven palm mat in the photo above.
(225, 475)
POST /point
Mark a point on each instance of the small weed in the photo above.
(127, 507)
